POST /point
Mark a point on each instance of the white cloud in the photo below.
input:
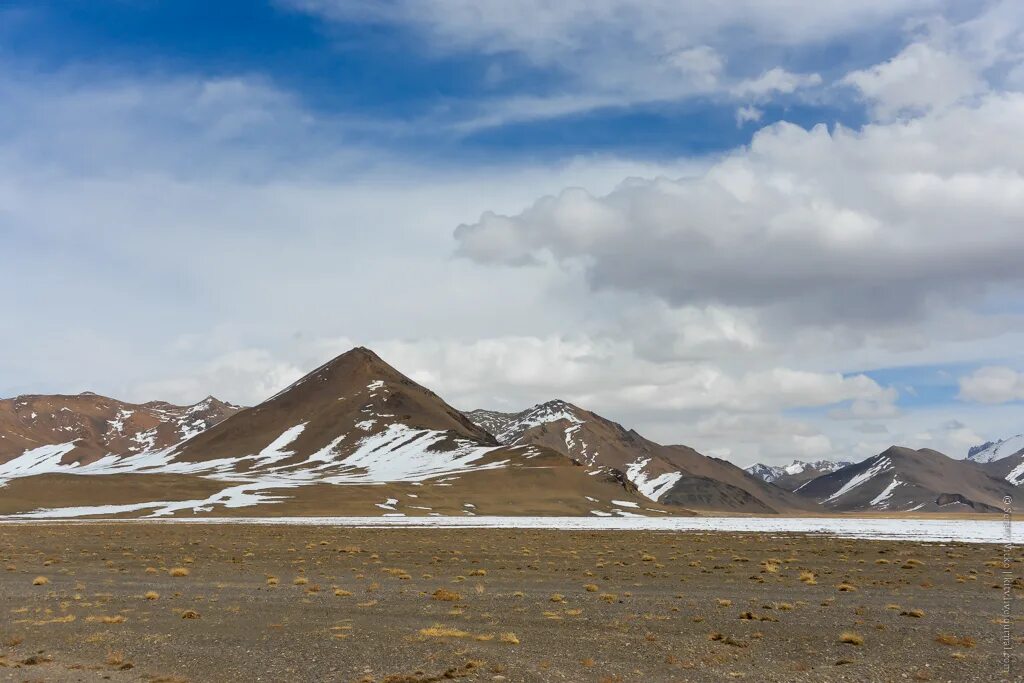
(545, 30)
(814, 227)
(775, 80)
(247, 376)
(616, 53)
(748, 114)
(702, 64)
(918, 79)
(993, 384)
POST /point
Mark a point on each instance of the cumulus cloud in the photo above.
(918, 79)
(817, 226)
(993, 384)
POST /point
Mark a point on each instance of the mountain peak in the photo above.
(555, 405)
(992, 451)
(352, 397)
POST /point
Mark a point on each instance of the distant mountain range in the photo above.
(90, 427)
(356, 437)
(791, 477)
(997, 450)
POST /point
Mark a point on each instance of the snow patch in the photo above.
(881, 465)
(651, 488)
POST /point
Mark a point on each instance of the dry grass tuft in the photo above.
(300, 581)
(557, 597)
(809, 578)
(180, 571)
(509, 638)
(953, 641)
(590, 587)
(439, 631)
(190, 614)
(40, 581)
(915, 613)
(152, 595)
(851, 638)
(445, 595)
(342, 593)
(845, 587)
(106, 619)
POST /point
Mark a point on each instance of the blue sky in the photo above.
(391, 75)
(771, 229)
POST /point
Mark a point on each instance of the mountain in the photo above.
(353, 437)
(670, 475)
(1003, 459)
(996, 450)
(87, 427)
(793, 476)
(902, 479)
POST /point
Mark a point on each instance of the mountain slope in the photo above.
(1009, 468)
(87, 427)
(793, 476)
(354, 436)
(901, 479)
(671, 475)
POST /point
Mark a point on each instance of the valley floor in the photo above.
(215, 602)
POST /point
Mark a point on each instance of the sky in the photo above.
(767, 229)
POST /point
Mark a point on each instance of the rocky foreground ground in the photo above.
(162, 602)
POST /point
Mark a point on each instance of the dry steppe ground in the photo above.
(182, 602)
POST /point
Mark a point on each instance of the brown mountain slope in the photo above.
(671, 475)
(94, 426)
(902, 479)
(1009, 468)
(353, 396)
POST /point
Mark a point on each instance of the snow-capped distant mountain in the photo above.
(797, 473)
(95, 427)
(902, 479)
(996, 450)
(671, 475)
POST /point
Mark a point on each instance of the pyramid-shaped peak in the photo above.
(353, 366)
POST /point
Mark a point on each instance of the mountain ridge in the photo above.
(906, 480)
(673, 475)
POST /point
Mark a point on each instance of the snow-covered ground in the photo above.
(930, 530)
